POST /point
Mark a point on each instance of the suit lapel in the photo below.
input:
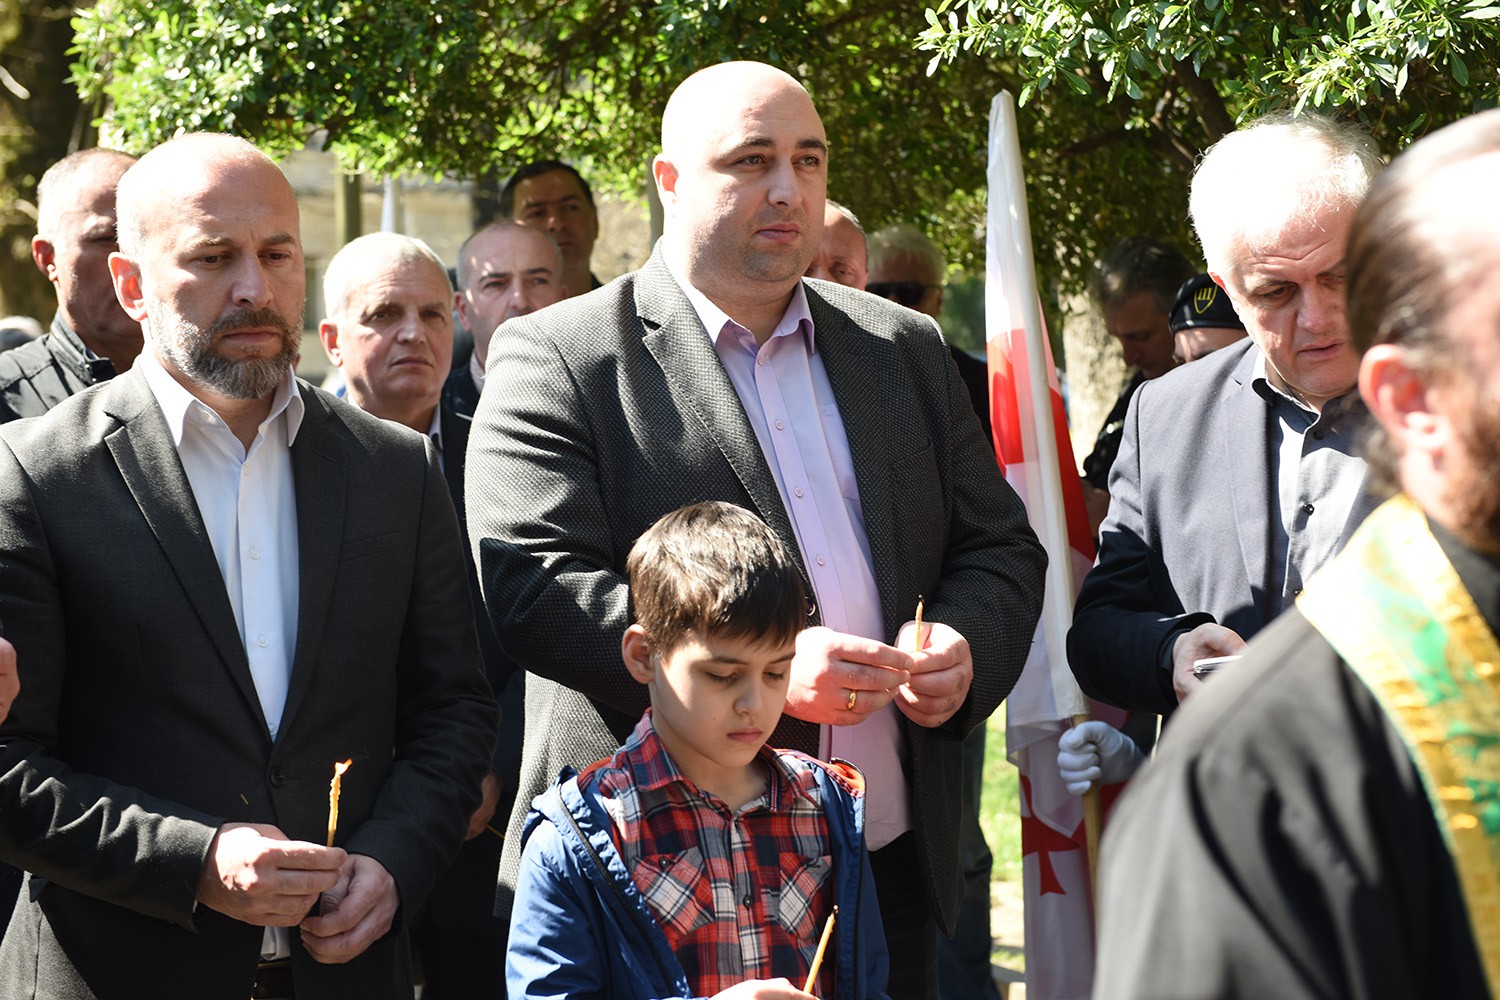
(849, 358)
(699, 385)
(319, 475)
(143, 451)
(1243, 432)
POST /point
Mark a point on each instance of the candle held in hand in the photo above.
(916, 643)
(817, 962)
(333, 797)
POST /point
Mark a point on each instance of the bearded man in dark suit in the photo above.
(716, 371)
(223, 581)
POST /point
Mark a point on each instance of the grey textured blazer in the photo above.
(603, 412)
(1186, 540)
(138, 730)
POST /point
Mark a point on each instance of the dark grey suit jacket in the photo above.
(1187, 537)
(139, 730)
(606, 411)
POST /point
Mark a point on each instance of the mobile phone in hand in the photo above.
(1202, 668)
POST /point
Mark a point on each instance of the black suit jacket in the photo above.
(459, 400)
(615, 410)
(139, 730)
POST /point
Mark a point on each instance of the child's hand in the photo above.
(765, 989)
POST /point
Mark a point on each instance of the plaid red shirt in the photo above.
(741, 894)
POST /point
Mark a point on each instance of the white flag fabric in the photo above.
(1031, 442)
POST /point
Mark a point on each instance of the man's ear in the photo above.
(1401, 400)
(666, 179)
(127, 281)
(328, 333)
(635, 650)
(458, 308)
(43, 252)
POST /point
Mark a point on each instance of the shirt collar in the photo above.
(797, 318)
(476, 371)
(177, 402)
(652, 768)
(1260, 381)
(435, 431)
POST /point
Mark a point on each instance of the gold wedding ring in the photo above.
(852, 695)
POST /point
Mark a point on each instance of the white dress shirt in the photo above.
(249, 508)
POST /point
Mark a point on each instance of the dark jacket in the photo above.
(37, 376)
(139, 731)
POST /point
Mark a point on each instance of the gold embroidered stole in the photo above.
(1394, 609)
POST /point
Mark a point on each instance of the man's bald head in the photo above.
(193, 162)
(742, 175)
(705, 95)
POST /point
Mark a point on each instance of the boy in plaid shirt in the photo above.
(697, 861)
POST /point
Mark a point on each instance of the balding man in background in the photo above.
(92, 339)
(716, 372)
(843, 254)
(389, 323)
(389, 326)
(222, 582)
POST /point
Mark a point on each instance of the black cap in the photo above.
(1200, 302)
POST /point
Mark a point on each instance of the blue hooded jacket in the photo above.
(580, 927)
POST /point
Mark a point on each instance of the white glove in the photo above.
(1096, 751)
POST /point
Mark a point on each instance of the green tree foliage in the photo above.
(1117, 100)
(1151, 85)
(41, 121)
(410, 86)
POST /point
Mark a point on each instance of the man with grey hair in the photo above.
(907, 267)
(91, 338)
(388, 324)
(1251, 480)
(1320, 822)
(222, 582)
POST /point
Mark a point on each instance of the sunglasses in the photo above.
(908, 293)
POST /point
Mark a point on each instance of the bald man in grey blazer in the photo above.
(717, 372)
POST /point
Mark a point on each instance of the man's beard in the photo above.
(1472, 496)
(191, 350)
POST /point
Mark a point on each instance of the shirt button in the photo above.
(1317, 435)
(1307, 508)
(254, 552)
(780, 425)
(760, 362)
(822, 561)
(262, 642)
(797, 493)
(746, 901)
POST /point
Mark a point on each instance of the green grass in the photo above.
(1000, 806)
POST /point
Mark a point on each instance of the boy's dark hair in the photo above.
(715, 569)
